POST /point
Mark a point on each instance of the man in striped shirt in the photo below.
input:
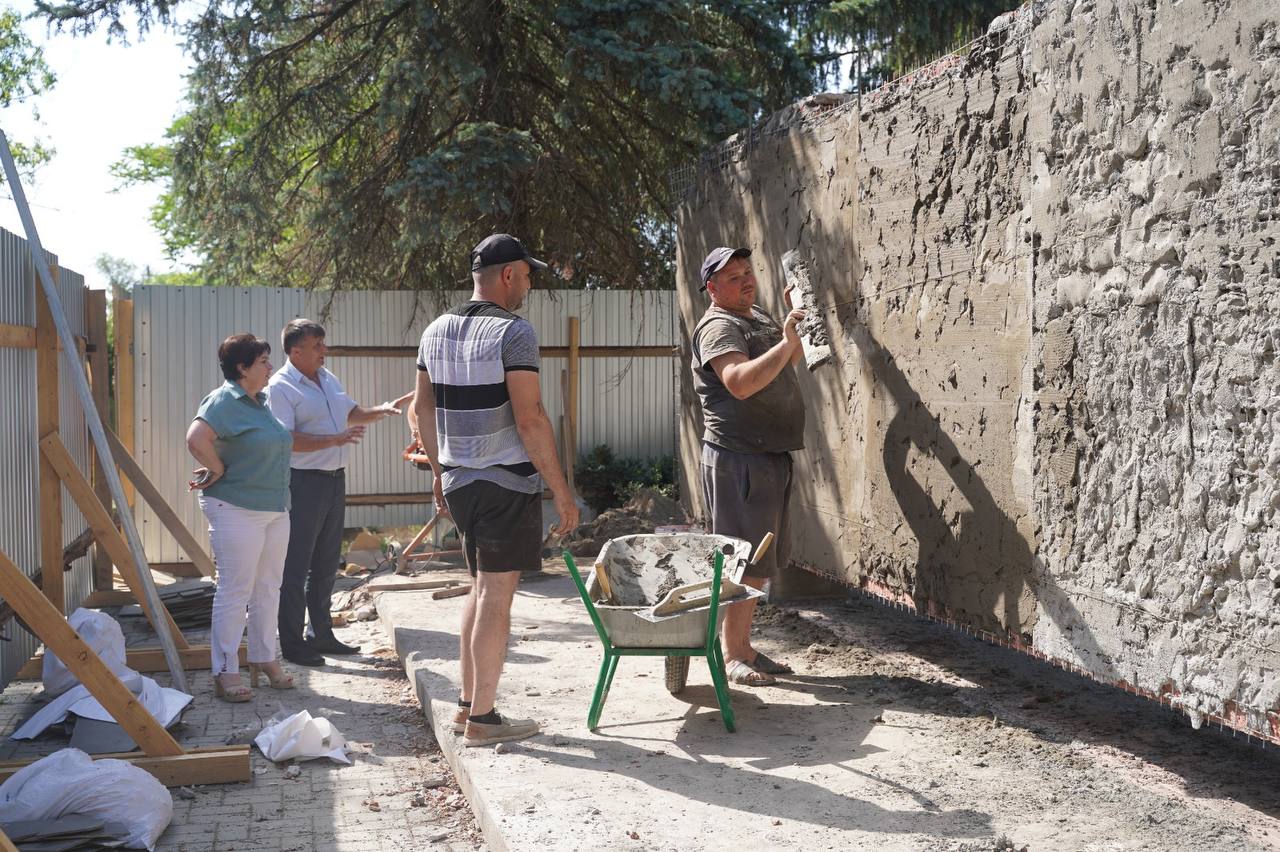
(481, 423)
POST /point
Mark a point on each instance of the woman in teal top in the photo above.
(245, 453)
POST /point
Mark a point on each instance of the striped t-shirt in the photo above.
(467, 353)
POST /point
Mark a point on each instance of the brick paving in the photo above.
(387, 799)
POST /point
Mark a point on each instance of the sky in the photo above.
(107, 98)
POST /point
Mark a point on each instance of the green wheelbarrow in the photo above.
(662, 596)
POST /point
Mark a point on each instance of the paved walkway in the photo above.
(897, 735)
(398, 794)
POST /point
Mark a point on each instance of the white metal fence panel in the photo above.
(628, 403)
(19, 454)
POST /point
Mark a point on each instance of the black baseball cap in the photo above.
(717, 259)
(502, 248)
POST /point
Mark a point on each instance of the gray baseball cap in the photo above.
(717, 259)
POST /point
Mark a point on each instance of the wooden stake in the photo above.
(80, 659)
(571, 414)
(100, 522)
(123, 318)
(134, 474)
(95, 319)
(47, 424)
(451, 593)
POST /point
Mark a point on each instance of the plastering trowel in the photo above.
(813, 331)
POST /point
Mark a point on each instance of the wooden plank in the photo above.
(544, 351)
(108, 597)
(17, 336)
(148, 491)
(571, 410)
(95, 323)
(145, 660)
(388, 499)
(176, 569)
(122, 315)
(52, 628)
(203, 765)
(50, 517)
(108, 536)
(6, 845)
(411, 586)
(451, 593)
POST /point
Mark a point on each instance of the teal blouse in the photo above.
(254, 448)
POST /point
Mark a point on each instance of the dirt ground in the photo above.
(958, 706)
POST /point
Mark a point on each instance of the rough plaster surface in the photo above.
(1050, 275)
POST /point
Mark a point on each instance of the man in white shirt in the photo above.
(311, 403)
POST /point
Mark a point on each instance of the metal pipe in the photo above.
(92, 420)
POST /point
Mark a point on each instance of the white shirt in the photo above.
(313, 409)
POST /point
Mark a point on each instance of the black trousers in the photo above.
(315, 553)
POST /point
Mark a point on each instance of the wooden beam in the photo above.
(411, 586)
(17, 336)
(203, 765)
(73, 551)
(108, 536)
(388, 499)
(52, 628)
(122, 315)
(109, 597)
(134, 473)
(6, 845)
(177, 569)
(417, 540)
(571, 409)
(545, 351)
(95, 323)
(50, 517)
(145, 660)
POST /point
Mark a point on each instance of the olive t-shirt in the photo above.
(769, 421)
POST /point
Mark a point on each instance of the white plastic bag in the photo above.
(69, 782)
(101, 633)
(301, 737)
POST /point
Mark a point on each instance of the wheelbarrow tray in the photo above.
(627, 627)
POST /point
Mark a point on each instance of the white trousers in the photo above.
(249, 549)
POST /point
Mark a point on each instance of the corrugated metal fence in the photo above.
(627, 403)
(19, 453)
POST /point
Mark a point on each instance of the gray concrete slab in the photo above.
(898, 735)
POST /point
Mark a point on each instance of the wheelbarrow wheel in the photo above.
(677, 674)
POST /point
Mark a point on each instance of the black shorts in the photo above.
(748, 495)
(501, 529)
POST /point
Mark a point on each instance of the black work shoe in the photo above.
(331, 645)
(304, 657)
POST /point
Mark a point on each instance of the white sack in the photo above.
(69, 782)
(101, 633)
(301, 737)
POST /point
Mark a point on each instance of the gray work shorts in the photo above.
(748, 495)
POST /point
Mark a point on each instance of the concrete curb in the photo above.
(438, 710)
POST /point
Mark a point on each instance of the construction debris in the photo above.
(644, 512)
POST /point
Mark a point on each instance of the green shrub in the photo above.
(606, 481)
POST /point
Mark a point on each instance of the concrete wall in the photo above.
(1050, 273)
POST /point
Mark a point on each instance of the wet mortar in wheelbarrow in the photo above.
(653, 595)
